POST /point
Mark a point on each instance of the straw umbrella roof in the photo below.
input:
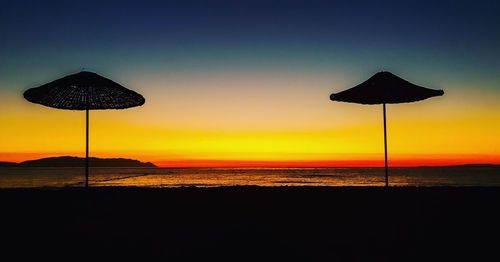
(385, 88)
(84, 90)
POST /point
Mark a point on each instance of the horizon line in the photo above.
(358, 163)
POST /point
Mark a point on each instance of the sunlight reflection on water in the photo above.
(212, 177)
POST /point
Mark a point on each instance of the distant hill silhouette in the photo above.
(69, 161)
(463, 166)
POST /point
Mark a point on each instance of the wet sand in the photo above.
(253, 223)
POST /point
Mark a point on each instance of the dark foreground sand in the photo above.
(252, 224)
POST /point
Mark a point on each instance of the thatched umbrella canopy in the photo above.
(385, 88)
(84, 91)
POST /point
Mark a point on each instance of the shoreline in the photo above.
(79, 187)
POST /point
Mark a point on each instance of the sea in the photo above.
(31, 177)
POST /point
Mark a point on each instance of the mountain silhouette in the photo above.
(70, 161)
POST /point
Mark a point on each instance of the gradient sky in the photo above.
(232, 81)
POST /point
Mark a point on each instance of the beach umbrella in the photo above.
(84, 91)
(385, 88)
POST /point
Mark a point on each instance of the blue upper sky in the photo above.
(428, 38)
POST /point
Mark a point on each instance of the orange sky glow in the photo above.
(261, 126)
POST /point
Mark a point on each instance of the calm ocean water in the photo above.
(212, 177)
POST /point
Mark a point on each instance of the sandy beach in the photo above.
(252, 223)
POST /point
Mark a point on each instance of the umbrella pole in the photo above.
(385, 151)
(87, 148)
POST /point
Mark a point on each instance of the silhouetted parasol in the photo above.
(385, 88)
(84, 91)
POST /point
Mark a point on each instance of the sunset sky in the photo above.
(243, 83)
